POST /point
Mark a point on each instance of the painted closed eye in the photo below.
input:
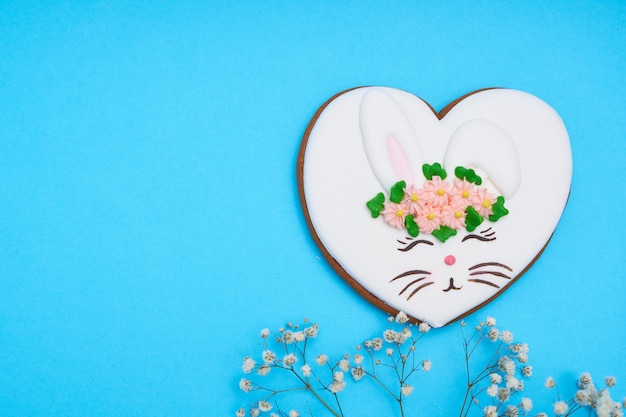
(487, 235)
(412, 244)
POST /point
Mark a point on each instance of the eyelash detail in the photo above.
(413, 244)
(477, 237)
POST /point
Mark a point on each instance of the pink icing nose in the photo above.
(449, 260)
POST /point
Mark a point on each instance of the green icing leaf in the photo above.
(444, 232)
(472, 219)
(411, 226)
(397, 192)
(434, 170)
(467, 174)
(498, 210)
(376, 204)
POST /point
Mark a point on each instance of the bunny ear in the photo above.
(486, 146)
(389, 140)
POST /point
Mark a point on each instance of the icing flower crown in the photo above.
(440, 207)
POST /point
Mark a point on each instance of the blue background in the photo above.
(149, 218)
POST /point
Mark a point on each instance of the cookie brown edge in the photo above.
(356, 286)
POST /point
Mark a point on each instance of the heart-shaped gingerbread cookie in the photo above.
(434, 214)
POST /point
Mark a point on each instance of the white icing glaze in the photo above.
(528, 160)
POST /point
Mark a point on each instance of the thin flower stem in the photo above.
(316, 395)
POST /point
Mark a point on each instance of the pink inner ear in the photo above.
(398, 160)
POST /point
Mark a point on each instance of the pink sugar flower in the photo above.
(394, 214)
(436, 192)
(453, 217)
(429, 219)
(463, 193)
(413, 199)
(484, 201)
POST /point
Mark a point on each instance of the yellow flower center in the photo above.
(440, 192)
(399, 213)
(487, 203)
(414, 197)
(465, 194)
(458, 214)
(431, 216)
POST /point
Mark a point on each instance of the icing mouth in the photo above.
(451, 286)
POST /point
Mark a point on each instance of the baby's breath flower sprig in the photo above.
(399, 343)
(498, 376)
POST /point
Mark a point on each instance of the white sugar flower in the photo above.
(401, 317)
(245, 385)
(490, 411)
(495, 378)
(527, 371)
(511, 411)
(423, 327)
(550, 383)
(321, 359)
(560, 408)
(506, 336)
(490, 322)
(241, 412)
(492, 391)
(264, 370)
(268, 356)
(406, 390)
(306, 370)
(584, 380)
(610, 381)
(526, 404)
(337, 386)
(426, 365)
(290, 359)
(389, 335)
(312, 330)
(358, 359)
(493, 334)
(265, 333)
(294, 413)
(265, 406)
(248, 365)
(357, 373)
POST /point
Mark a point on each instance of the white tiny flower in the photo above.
(248, 365)
(493, 334)
(490, 322)
(254, 412)
(490, 411)
(290, 359)
(423, 327)
(265, 333)
(560, 408)
(605, 405)
(268, 356)
(298, 336)
(337, 386)
(495, 378)
(294, 413)
(389, 335)
(389, 352)
(426, 365)
(401, 317)
(344, 365)
(610, 381)
(357, 373)
(526, 404)
(338, 376)
(265, 406)
(406, 390)
(312, 330)
(306, 370)
(377, 343)
(264, 370)
(241, 412)
(504, 394)
(506, 336)
(492, 391)
(550, 383)
(513, 383)
(582, 397)
(245, 385)
(617, 412)
(542, 414)
(519, 347)
(527, 371)
(358, 359)
(288, 337)
(522, 357)
(584, 380)
(511, 411)
(321, 359)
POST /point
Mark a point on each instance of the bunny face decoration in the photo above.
(434, 214)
